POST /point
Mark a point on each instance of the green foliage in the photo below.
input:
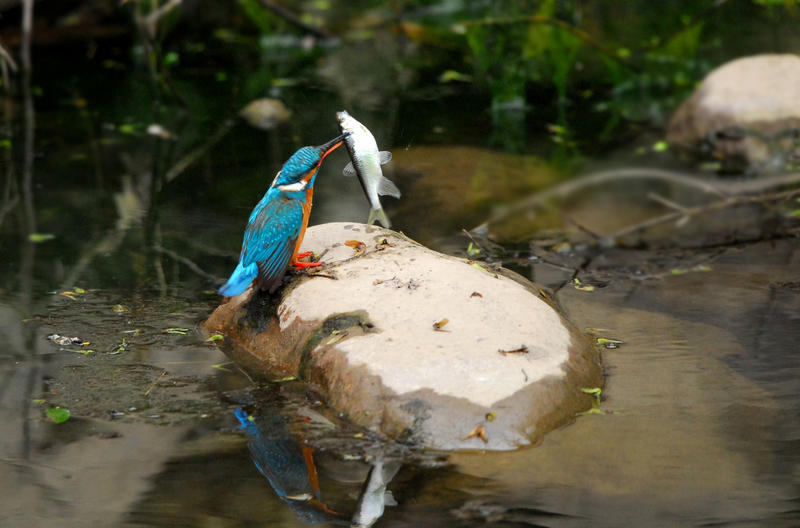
(258, 15)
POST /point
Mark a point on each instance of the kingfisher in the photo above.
(278, 222)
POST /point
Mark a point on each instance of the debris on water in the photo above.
(118, 308)
(479, 432)
(175, 330)
(609, 343)
(149, 390)
(73, 293)
(221, 366)
(215, 337)
(57, 414)
(64, 340)
(521, 350)
(84, 351)
(120, 348)
(578, 285)
(437, 326)
(475, 294)
(681, 271)
(597, 393)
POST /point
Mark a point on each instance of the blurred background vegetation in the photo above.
(137, 107)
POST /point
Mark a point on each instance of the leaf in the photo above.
(58, 415)
(175, 330)
(358, 246)
(472, 250)
(215, 337)
(660, 146)
(122, 347)
(85, 351)
(608, 341)
(437, 326)
(221, 366)
(38, 238)
(337, 335)
(79, 291)
(593, 410)
(118, 308)
(521, 350)
(479, 432)
(490, 416)
(578, 285)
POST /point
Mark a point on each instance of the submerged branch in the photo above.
(188, 263)
(707, 208)
(185, 162)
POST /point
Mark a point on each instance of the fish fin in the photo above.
(380, 216)
(349, 170)
(387, 186)
(384, 157)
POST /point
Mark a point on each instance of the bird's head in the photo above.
(298, 172)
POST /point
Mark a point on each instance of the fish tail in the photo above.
(380, 215)
(239, 280)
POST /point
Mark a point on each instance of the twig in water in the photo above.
(188, 263)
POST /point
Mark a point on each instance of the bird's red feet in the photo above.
(304, 265)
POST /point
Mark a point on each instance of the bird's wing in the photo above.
(270, 239)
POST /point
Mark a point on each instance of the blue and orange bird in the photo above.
(278, 222)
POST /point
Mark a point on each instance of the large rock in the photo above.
(361, 331)
(745, 110)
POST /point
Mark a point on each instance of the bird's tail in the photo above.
(239, 280)
(380, 216)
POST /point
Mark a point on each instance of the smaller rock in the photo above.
(747, 111)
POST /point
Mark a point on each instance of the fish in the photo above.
(366, 163)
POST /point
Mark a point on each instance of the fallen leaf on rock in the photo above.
(336, 336)
(521, 350)
(358, 246)
(437, 326)
(479, 432)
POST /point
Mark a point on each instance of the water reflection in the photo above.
(286, 459)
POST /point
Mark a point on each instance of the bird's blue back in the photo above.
(273, 227)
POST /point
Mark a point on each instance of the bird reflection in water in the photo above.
(289, 467)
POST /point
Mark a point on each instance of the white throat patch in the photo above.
(293, 187)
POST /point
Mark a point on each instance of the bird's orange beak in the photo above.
(326, 149)
(330, 146)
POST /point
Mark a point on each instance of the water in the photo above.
(699, 422)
